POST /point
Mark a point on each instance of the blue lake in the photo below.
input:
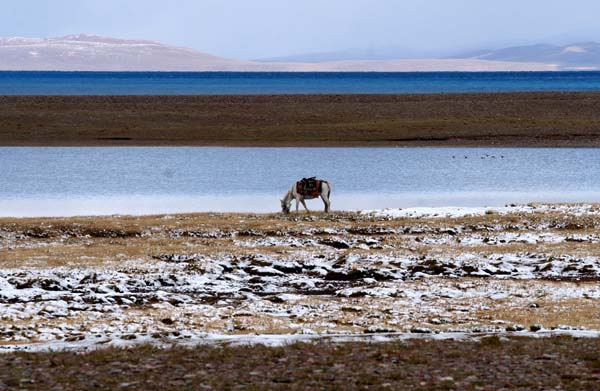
(203, 83)
(84, 181)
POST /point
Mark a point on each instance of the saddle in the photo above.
(309, 187)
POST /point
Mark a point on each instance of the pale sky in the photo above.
(263, 28)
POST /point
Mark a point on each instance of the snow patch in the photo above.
(574, 49)
(454, 212)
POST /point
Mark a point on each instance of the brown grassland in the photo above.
(489, 119)
(493, 363)
(496, 362)
(106, 242)
(94, 240)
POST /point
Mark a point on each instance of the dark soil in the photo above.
(493, 364)
(498, 119)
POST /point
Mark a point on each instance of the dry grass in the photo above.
(495, 363)
(548, 313)
(134, 242)
(95, 240)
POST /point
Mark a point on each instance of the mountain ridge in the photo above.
(85, 52)
(92, 52)
(575, 55)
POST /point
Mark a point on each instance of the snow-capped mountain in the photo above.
(89, 52)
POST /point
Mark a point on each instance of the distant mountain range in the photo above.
(375, 53)
(93, 53)
(576, 56)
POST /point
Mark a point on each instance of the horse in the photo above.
(322, 189)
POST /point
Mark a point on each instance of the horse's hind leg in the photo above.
(327, 203)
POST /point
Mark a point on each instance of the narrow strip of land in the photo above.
(495, 119)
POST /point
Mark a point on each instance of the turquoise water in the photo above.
(169, 83)
(67, 181)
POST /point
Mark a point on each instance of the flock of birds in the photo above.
(486, 156)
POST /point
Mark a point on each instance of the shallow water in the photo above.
(85, 181)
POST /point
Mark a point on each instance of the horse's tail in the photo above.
(328, 189)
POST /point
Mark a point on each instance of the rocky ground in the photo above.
(123, 280)
(423, 298)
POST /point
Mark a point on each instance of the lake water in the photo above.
(166, 83)
(86, 181)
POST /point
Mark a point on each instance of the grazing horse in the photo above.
(306, 189)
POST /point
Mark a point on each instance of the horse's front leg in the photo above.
(297, 204)
(304, 203)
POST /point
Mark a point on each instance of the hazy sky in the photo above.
(263, 28)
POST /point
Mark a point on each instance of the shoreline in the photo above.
(268, 205)
(519, 119)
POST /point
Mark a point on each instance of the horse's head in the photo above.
(285, 207)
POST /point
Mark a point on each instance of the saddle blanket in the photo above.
(309, 187)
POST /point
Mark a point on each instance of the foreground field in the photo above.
(497, 119)
(122, 280)
(492, 363)
(424, 299)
